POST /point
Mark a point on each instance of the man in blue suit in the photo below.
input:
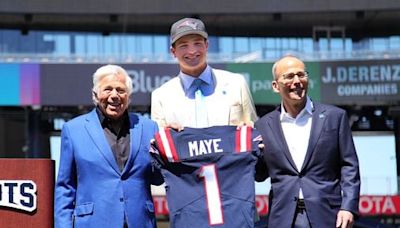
(105, 167)
(309, 155)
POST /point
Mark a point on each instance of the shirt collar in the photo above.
(106, 122)
(308, 109)
(187, 80)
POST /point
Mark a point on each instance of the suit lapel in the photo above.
(276, 126)
(96, 132)
(221, 93)
(135, 131)
(318, 120)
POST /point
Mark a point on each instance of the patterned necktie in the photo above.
(201, 107)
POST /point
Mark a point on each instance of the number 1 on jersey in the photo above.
(211, 185)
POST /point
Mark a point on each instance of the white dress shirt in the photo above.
(297, 133)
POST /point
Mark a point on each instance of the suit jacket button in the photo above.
(121, 199)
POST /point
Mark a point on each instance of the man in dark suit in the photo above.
(309, 155)
(105, 166)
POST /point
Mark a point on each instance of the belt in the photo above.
(300, 204)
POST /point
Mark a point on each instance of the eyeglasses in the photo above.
(290, 76)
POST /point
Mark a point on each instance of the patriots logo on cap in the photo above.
(189, 23)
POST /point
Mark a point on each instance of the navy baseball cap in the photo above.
(187, 26)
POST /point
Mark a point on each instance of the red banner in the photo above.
(379, 205)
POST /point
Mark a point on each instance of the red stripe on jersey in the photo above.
(237, 140)
(171, 145)
(248, 139)
(160, 146)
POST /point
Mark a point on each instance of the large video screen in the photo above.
(376, 152)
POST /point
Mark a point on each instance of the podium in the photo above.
(26, 193)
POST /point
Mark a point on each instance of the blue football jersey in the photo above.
(209, 175)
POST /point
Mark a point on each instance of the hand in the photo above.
(261, 146)
(242, 123)
(345, 219)
(175, 126)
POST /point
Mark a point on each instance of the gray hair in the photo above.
(107, 70)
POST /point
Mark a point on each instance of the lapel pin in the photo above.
(321, 116)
